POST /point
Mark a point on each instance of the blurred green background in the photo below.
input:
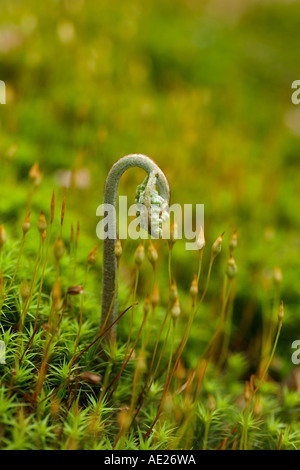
(202, 87)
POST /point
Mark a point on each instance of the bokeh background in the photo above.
(202, 87)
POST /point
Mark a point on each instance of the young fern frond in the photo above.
(145, 193)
